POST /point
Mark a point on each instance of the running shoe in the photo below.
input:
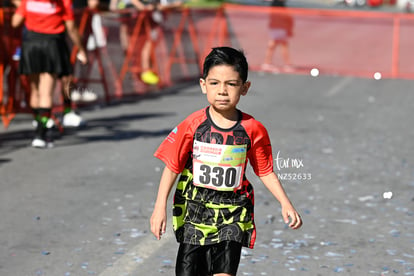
(75, 95)
(150, 78)
(72, 119)
(44, 135)
(88, 96)
(39, 142)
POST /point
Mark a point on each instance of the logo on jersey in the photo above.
(171, 137)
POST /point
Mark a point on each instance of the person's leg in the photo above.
(70, 117)
(146, 55)
(268, 65)
(191, 260)
(225, 258)
(42, 86)
(269, 52)
(285, 52)
(34, 91)
(66, 88)
(46, 86)
(34, 98)
(123, 36)
(147, 75)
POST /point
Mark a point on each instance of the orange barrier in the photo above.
(177, 55)
(356, 43)
(14, 99)
(132, 61)
(186, 24)
(195, 31)
(343, 42)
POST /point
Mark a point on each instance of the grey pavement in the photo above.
(342, 147)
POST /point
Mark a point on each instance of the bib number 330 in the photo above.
(218, 167)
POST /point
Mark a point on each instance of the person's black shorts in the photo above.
(197, 260)
(45, 53)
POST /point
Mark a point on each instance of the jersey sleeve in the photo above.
(21, 10)
(176, 148)
(260, 154)
(68, 13)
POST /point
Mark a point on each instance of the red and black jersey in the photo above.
(203, 215)
(46, 16)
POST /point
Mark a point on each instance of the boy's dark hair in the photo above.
(227, 56)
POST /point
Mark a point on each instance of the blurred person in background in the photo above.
(280, 30)
(70, 93)
(70, 118)
(126, 8)
(95, 40)
(156, 7)
(45, 56)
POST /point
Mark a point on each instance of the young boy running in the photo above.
(213, 203)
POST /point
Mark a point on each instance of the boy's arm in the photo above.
(272, 183)
(159, 215)
(74, 35)
(17, 20)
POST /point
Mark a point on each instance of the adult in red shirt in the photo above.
(45, 55)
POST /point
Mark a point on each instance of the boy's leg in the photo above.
(225, 258)
(70, 117)
(191, 260)
(221, 259)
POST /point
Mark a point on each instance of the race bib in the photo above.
(218, 167)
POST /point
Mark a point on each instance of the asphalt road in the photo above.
(342, 147)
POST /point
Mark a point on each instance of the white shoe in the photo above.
(84, 95)
(88, 96)
(39, 143)
(72, 119)
(75, 95)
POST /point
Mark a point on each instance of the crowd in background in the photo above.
(42, 76)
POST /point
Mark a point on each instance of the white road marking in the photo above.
(134, 258)
(335, 90)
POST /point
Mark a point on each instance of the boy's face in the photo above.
(223, 87)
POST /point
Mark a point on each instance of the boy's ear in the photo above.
(245, 88)
(203, 85)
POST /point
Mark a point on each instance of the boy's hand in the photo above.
(295, 219)
(158, 222)
(82, 56)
